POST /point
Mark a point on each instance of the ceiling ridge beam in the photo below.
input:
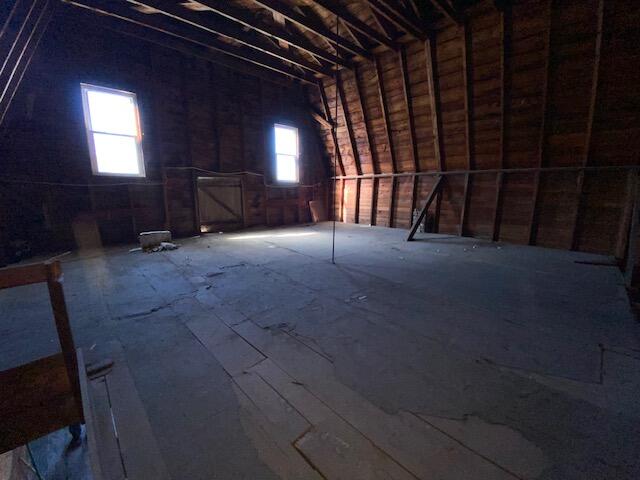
(228, 30)
(237, 15)
(308, 24)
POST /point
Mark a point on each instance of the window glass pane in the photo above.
(112, 112)
(286, 140)
(116, 154)
(286, 168)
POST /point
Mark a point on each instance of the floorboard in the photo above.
(251, 355)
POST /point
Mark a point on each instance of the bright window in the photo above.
(113, 131)
(286, 153)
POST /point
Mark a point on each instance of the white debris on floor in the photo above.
(158, 248)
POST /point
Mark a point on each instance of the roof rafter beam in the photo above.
(201, 42)
(448, 11)
(337, 159)
(347, 120)
(248, 20)
(317, 20)
(360, 39)
(230, 31)
(397, 18)
(356, 24)
(24, 43)
(308, 24)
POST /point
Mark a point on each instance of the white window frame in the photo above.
(85, 88)
(296, 156)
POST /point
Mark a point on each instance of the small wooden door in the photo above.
(220, 204)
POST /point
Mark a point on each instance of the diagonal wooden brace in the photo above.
(423, 212)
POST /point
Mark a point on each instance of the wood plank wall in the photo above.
(194, 114)
(542, 83)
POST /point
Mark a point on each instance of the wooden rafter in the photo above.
(159, 30)
(543, 127)
(365, 121)
(408, 102)
(312, 16)
(334, 135)
(374, 201)
(413, 6)
(594, 84)
(249, 20)
(23, 45)
(308, 24)
(468, 92)
(436, 114)
(230, 31)
(448, 11)
(400, 8)
(360, 39)
(398, 18)
(355, 23)
(357, 200)
(392, 200)
(321, 119)
(385, 113)
(384, 25)
(592, 108)
(505, 80)
(342, 219)
(505, 42)
(468, 115)
(434, 100)
(347, 120)
(497, 207)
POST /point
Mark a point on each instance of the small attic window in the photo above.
(113, 131)
(286, 145)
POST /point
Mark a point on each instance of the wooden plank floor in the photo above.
(125, 444)
(339, 433)
(250, 355)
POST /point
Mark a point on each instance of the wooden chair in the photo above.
(44, 395)
(54, 392)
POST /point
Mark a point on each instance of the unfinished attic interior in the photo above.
(316, 239)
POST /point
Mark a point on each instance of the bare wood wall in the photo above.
(194, 114)
(541, 84)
